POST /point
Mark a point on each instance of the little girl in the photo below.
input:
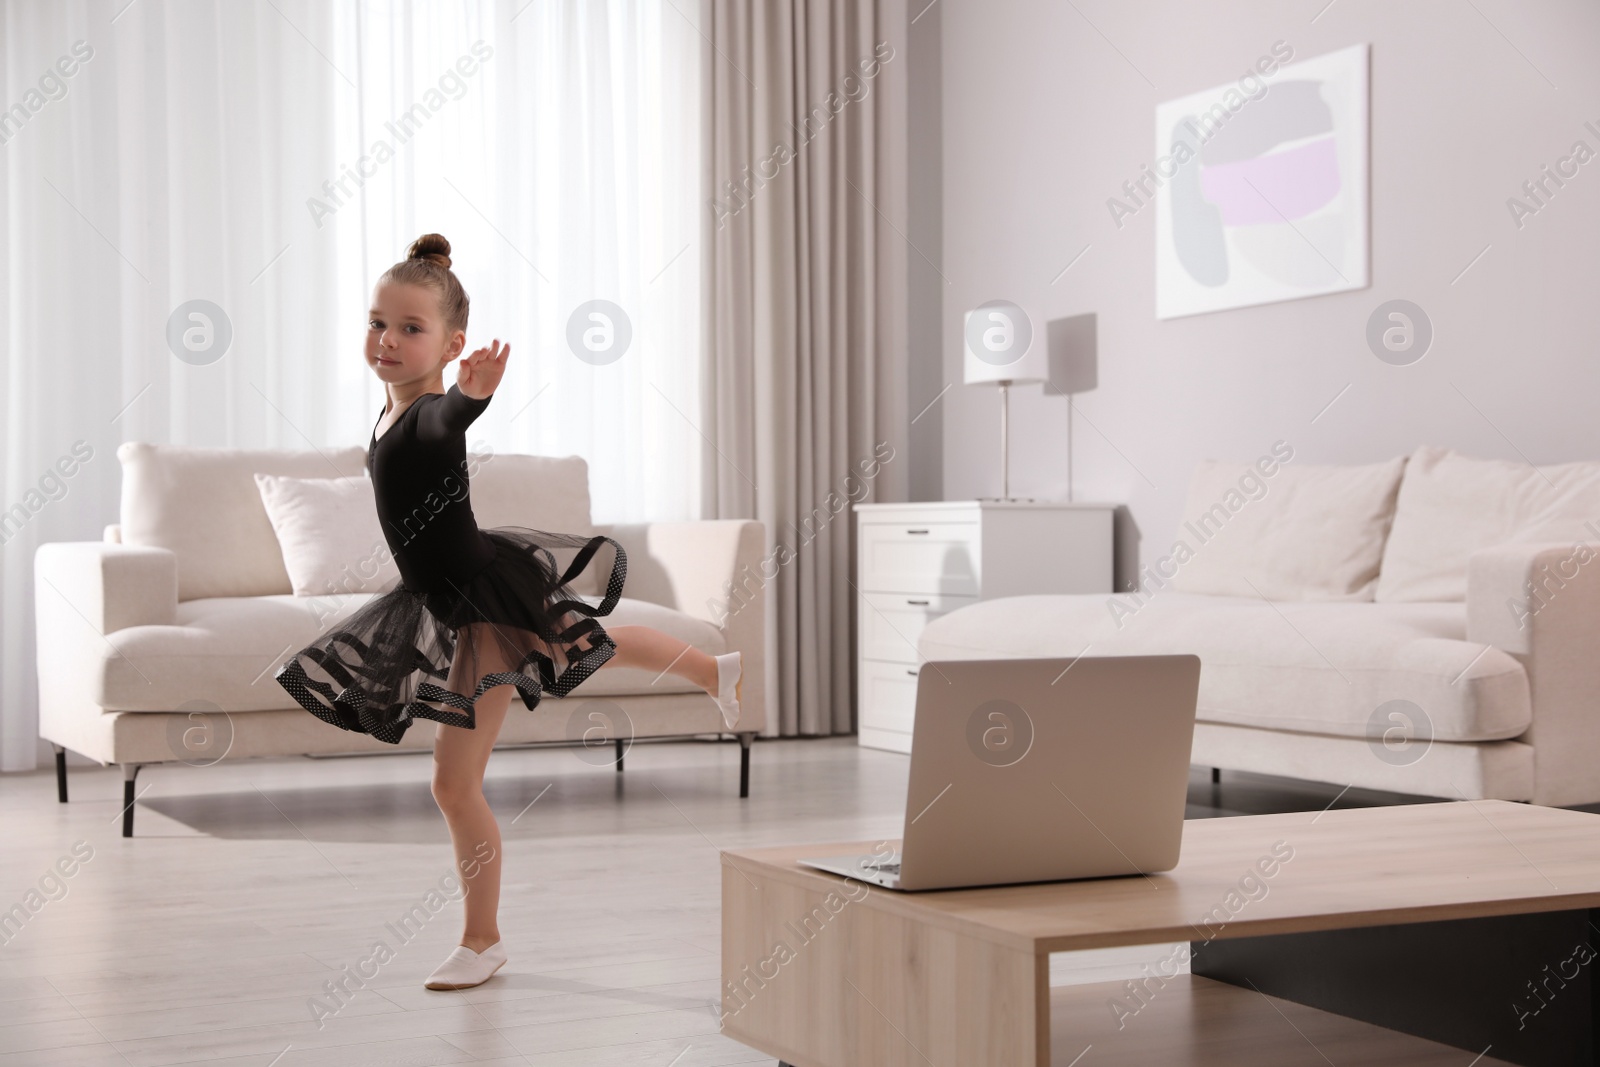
(483, 611)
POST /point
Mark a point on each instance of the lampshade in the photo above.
(1074, 355)
(999, 345)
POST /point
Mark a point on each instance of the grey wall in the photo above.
(1046, 112)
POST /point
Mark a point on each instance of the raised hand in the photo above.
(478, 375)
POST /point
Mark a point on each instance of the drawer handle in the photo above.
(916, 531)
(911, 672)
(923, 603)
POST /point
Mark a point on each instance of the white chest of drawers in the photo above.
(917, 561)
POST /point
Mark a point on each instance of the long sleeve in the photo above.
(451, 414)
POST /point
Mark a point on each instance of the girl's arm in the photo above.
(451, 414)
(477, 377)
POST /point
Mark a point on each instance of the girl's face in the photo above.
(406, 338)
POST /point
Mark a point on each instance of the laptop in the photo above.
(1041, 770)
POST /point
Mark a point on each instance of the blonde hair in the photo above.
(427, 263)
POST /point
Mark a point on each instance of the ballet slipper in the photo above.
(730, 681)
(464, 968)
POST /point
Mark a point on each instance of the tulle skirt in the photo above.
(408, 655)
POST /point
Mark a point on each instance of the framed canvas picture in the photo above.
(1263, 193)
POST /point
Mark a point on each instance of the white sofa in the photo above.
(1430, 625)
(159, 643)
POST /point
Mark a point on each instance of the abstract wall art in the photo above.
(1263, 190)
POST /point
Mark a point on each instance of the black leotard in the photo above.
(419, 475)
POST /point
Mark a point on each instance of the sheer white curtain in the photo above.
(214, 151)
(556, 144)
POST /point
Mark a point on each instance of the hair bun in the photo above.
(431, 247)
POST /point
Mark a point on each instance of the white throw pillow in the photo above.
(1283, 531)
(1453, 505)
(329, 533)
(204, 505)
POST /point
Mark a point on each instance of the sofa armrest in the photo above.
(710, 569)
(1541, 604)
(82, 592)
(700, 568)
(108, 586)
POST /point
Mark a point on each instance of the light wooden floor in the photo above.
(205, 938)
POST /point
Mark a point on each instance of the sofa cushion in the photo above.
(1303, 667)
(328, 534)
(225, 650)
(202, 503)
(1451, 505)
(1283, 531)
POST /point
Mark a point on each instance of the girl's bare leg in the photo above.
(649, 648)
(460, 757)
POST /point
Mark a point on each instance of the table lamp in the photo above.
(1074, 366)
(1000, 350)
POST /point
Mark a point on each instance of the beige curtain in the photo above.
(805, 297)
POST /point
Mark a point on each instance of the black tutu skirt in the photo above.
(408, 655)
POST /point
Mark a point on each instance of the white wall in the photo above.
(1043, 120)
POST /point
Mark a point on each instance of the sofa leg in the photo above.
(744, 763)
(130, 772)
(61, 772)
(619, 755)
(1216, 776)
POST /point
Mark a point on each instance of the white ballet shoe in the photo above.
(730, 679)
(464, 968)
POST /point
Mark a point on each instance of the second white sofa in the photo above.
(1428, 625)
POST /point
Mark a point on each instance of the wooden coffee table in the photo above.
(1399, 935)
